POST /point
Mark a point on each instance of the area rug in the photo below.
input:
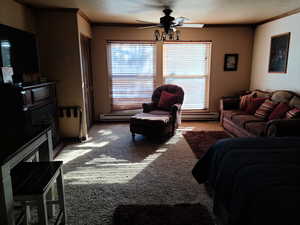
(180, 214)
(201, 141)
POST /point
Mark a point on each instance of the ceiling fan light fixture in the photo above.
(172, 35)
(169, 25)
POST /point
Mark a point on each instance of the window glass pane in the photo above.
(187, 65)
(186, 59)
(132, 74)
(194, 91)
(132, 59)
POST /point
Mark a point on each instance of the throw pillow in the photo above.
(265, 109)
(254, 104)
(279, 111)
(167, 99)
(293, 114)
(245, 100)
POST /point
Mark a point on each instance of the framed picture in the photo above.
(231, 62)
(7, 73)
(279, 52)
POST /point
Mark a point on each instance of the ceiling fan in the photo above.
(169, 23)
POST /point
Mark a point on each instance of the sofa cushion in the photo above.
(265, 109)
(256, 128)
(254, 105)
(241, 120)
(245, 100)
(261, 94)
(281, 96)
(295, 102)
(279, 111)
(229, 113)
(293, 114)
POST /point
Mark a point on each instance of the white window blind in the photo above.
(187, 64)
(132, 69)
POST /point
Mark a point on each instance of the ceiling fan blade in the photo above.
(147, 27)
(146, 22)
(161, 4)
(180, 20)
(155, 4)
(195, 25)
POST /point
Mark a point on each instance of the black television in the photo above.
(19, 51)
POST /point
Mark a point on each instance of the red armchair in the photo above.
(157, 121)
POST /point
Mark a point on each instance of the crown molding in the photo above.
(289, 13)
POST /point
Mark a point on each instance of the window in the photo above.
(132, 69)
(6, 53)
(187, 65)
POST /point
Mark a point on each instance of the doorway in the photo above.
(87, 79)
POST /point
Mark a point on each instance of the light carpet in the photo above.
(110, 170)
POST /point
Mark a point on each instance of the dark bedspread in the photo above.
(254, 180)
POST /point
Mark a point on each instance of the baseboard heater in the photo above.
(185, 117)
(70, 123)
(204, 116)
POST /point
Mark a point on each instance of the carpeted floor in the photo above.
(110, 170)
(200, 141)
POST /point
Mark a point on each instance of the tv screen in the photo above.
(18, 50)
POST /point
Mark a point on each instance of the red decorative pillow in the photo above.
(265, 109)
(293, 114)
(279, 111)
(245, 100)
(167, 99)
(254, 104)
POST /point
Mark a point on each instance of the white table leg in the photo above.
(6, 198)
(48, 156)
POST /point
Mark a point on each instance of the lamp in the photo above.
(171, 35)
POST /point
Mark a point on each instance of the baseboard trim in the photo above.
(201, 116)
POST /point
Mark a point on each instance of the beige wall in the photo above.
(83, 26)
(261, 78)
(224, 40)
(16, 15)
(58, 38)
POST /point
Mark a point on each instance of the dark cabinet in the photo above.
(29, 107)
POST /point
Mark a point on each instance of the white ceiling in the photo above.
(199, 11)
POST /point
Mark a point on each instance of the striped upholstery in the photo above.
(293, 113)
(265, 109)
(245, 100)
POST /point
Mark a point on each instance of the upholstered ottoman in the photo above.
(155, 125)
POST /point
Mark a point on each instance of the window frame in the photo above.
(109, 65)
(207, 81)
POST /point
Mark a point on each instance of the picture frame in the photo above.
(231, 62)
(279, 51)
(6, 74)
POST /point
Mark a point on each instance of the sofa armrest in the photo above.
(147, 107)
(283, 128)
(227, 103)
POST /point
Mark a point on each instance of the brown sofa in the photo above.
(241, 124)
